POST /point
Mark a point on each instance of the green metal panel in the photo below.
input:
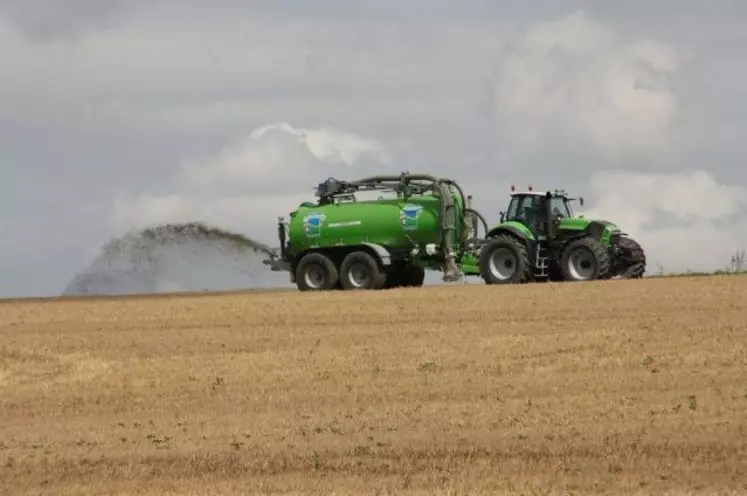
(580, 223)
(511, 225)
(574, 224)
(470, 265)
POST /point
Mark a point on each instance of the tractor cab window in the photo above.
(513, 208)
(560, 208)
(526, 209)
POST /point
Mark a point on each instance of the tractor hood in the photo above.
(580, 223)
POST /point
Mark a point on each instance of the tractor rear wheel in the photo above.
(505, 260)
(316, 272)
(585, 259)
(633, 263)
(359, 270)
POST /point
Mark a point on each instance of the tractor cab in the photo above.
(535, 208)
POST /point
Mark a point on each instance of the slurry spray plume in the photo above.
(177, 257)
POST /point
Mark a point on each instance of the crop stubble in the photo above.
(615, 387)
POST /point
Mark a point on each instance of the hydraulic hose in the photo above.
(451, 271)
(479, 216)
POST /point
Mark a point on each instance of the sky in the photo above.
(116, 114)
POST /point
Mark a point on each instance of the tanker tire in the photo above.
(395, 279)
(359, 270)
(414, 276)
(582, 252)
(316, 266)
(405, 276)
(509, 246)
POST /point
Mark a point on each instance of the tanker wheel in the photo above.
(316, 272)
(415, 276)
(407, 276)
(359, 270)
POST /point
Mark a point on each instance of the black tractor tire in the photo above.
(635, 258)
(523, 269)
(372, 275)
(602, 265)
(323, 269)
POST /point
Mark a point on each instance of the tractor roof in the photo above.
(556, 193)
(528, 193)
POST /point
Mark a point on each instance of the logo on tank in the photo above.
(312, 224)
(408, 216)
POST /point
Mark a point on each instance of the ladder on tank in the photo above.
(541, 260)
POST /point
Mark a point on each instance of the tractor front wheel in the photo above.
(359, 270)
(316, 272)
(505, 260)
(585, 259)
(633, 259)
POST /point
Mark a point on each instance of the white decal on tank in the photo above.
(345, 224)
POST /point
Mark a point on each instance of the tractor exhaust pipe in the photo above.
(550, 229)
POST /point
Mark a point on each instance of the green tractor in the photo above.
(344, 242)
(540, 239)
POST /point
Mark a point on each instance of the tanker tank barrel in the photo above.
(429, 212)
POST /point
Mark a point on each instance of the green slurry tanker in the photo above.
(343, 242)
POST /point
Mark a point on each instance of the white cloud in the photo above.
(48, 20)
(685, 220)
(577, 84)
(249, 184)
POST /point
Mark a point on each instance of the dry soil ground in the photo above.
(636, 387)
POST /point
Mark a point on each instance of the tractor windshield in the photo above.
(530, 209)
(560, 207)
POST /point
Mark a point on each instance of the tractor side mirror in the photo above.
(503, 215)
(581, 201)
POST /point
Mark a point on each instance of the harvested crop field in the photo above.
(618, 387)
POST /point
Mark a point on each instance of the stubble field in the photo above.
(634, 387)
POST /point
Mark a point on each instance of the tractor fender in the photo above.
(384, 256)
(507, 230)
(595, 229)
(531, 244)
